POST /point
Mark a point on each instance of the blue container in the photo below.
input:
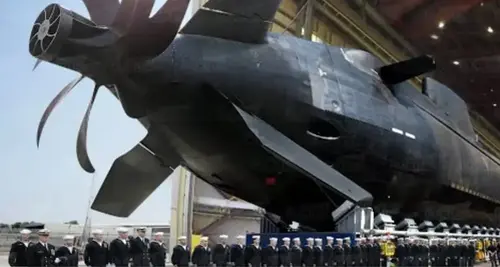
(264, 238)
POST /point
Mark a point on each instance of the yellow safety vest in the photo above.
(390, 249)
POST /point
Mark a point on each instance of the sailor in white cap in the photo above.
(202, 252)
(139, 248)
(318, 252)
(119, 249)
(220, 254)
(17, 253)
(296, 253)
(253, 252)
(237, 252)
(96, 251)
(308, 252)
(285, 252)
(328, 252)
(42, 253)
(181, 255)
(67, 255)
(270, 254)
(356, 253)
(157, 250)
(347, 251)
(338, 253)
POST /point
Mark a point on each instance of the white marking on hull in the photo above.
(398, 131)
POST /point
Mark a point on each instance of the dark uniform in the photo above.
(96, 255)
(338, 254)
(220, 255)
(374, 255)
(425, 254)
(308, 256)
(401, 254)
(318, 256)
(296, 256)
(238, 255)
(180, 256)
(471, 252)
(18, 252)
(41, 255)
(68, 256)
(284, 256)
(158, 253)
(347, 254)
(253, 256)
(356, 254)
(201, 256)
(270, 256)
(442, 254)
(139, 251)
(328, 255)
(434, 254)
(119, 252)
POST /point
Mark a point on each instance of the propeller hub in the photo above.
(43, 31)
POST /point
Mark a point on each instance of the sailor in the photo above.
(364, 251)
(425, 252)
(347, 251)
(158, 251)
(492, 251)
(96, 252)
(220, 254)
(401, 252)
(18, 249)
(284, 253)
(270, 254)
(139, 248)
(296, 253)
(237, 253)
(318, 252)
(201, 253)
(253, 253)
(328, 251)
(41, 253)
(471, 252)
(67, 255)
(451, 253)
(434, 253)
(442, 253)
(308, 252)
(338, 253)
(181, 254)
(119, 248)
(463, 252)
(374, 253)
(356, 253)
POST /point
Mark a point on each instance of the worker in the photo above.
(220, 253)
(253, 253)
(328, 251)
(67, 255)
(270, 254)
(347, 251)
(139, 248)
(158, 251)
(181, 255)
(42, 253)
(284, 253)
(201, 253)
(356, 253)
(338, 253)
(237, 253)
(492, 251)
(18, 249)
(308, 252)
(390, 250)
(296, 253)
(119, 248)
(96, 251)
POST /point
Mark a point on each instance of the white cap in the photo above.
(140, 228)
(122, 230)
(158, 233)
(68, 237)
(204, 238)
(296, 239)
(182, 237)
(286, 239)
(310, 239)
(318, 239)
(338, 239)
(256, 237)
(25, 232)
(44, 232)
(273, 239)
(97, 232)
(240, 237)
(223, 236)
(329, 238)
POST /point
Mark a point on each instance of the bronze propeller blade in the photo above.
(81, 142)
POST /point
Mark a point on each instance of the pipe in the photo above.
(428, 234)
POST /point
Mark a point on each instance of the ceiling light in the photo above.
(482, 4)
(495, 104)
(456, 63)
(434, 36)
(489, 29)
(491, 90)
(441, 24)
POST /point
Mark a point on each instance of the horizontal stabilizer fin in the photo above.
(405, 70)
(299, 158)
(132, 178)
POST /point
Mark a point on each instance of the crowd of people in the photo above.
(122, 251)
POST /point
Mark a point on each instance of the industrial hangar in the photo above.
(460, 35)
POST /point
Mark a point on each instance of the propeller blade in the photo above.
(38, 61)
(53, 105)
(162, 28)
(132, 13)
(81, 143)
(102, 12)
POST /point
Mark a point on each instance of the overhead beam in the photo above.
(425, 20)
(394, 10)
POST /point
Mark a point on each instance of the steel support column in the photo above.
(308, 21)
